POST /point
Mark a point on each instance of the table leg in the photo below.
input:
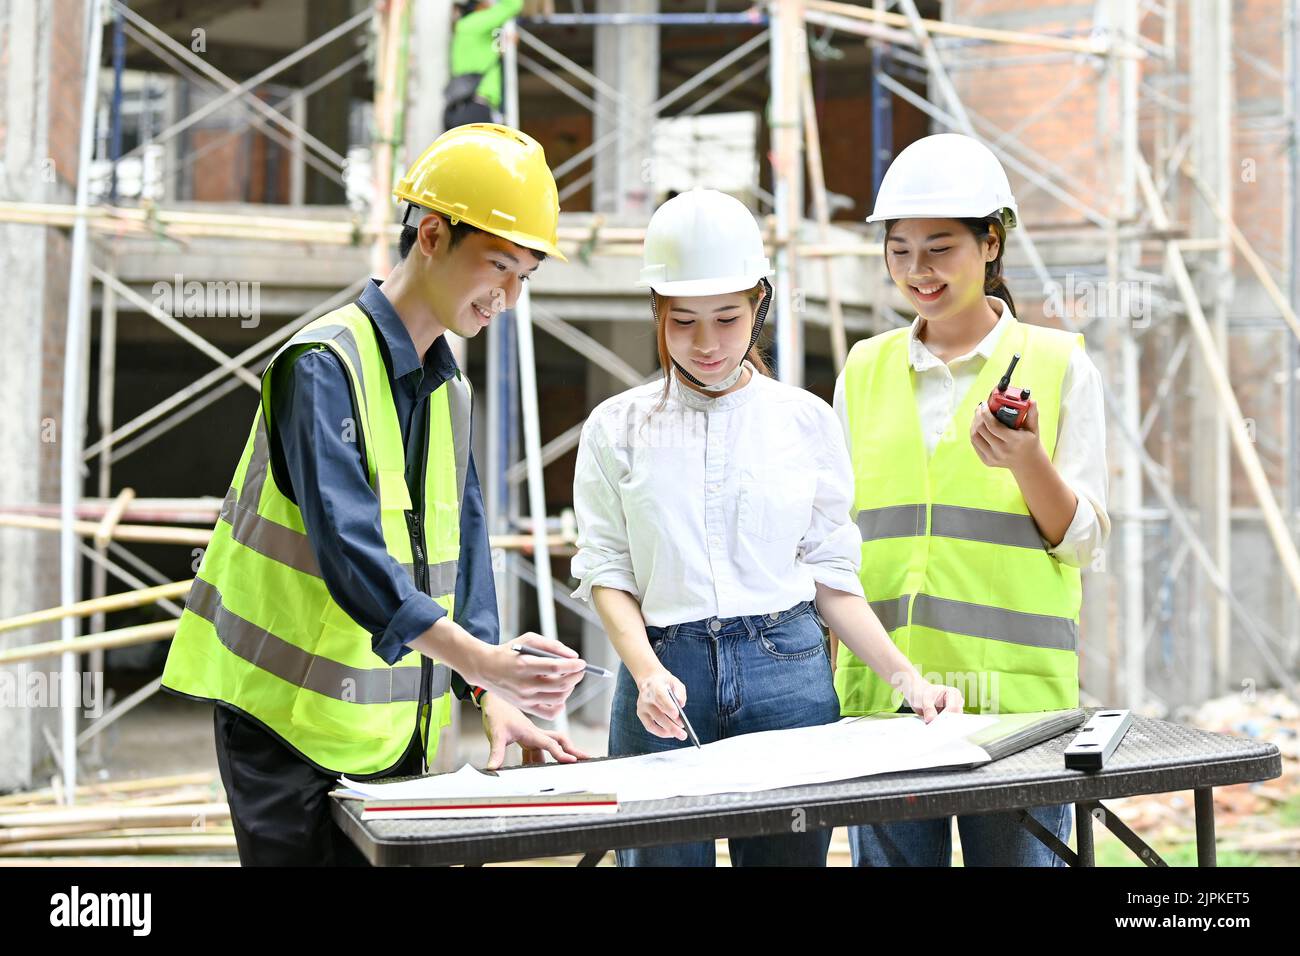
(1205, 850)
(593, 858)
(1083, 835)
(1047, 838)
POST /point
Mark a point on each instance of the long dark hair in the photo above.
(994, 281)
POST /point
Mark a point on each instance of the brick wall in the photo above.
(563, 136)
(1261, 169)
(1260, 138)
(1067, 135)
(66, 76)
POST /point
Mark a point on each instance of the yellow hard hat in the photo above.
(492, 177)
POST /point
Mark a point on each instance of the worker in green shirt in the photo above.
(474, 93)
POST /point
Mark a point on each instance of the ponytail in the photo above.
(994, 282)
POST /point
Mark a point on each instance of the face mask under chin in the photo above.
(729, 381)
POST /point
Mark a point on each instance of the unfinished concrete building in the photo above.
(230, 189)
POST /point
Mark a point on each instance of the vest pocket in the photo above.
(339, 680)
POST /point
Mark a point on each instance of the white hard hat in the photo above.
(946, 176)
(703, 242)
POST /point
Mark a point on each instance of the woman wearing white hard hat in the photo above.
(713, 511)
(977, 503)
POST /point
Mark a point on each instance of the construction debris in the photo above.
(184, 814)
(1257, 818)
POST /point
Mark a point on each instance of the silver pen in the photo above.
(591, 669)
(686, 720)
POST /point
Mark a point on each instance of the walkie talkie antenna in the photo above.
(1006, 379)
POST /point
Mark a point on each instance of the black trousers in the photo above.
(280, 803)
(466, 111)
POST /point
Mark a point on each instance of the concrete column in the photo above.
(429, 64)
(1211, 151)
(627, 58)
(40, 99)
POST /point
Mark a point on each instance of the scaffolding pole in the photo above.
(1124, 260)
(787, 39)
(73, 391)
(529, 407)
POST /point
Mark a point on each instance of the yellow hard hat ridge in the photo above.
(492, 177)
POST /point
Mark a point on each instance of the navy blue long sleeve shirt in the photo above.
(321, 468)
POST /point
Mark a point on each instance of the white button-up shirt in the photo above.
(1080, 456)
(714, 507)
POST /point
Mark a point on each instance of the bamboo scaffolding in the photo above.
(162, 534)
(112, 517)
(114, 816)
(1241, 440)
(1094, 45)
(109, 602)
(114, 787)
(106, 640)
(204, 511)
(16, 834)
(152, 221)
(156, 534)
(74, 831)
(1244, 247)
(123, 845)
(184, 795)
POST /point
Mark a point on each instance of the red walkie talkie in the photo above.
(1010, 406)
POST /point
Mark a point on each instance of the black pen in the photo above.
(591, 669)
(686, 720)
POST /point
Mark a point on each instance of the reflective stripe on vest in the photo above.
(995, 623)
(376, 685)
(953, 563)
(950, 521)
(892, 613)
(979, 620)
(260, 629)
(294, 548)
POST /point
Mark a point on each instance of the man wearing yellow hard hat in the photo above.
(347, 590)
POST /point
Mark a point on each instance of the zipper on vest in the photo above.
(414, 527)
(415, 524)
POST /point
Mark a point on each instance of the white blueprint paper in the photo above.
(465, 782)
(854, 747)
(774, 759)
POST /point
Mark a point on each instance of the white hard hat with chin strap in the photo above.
(946, 176)
(704, 242)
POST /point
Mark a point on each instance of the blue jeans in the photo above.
(994, 839)
(742, 675)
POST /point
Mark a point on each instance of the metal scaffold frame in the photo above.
(1130, 235)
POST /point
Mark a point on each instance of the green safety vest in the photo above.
(475, 50)
(952, 562)
(261, 631)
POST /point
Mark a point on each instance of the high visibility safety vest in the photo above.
(952, 562)
(260, 629)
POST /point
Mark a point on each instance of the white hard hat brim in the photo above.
(712, 286)
(1007, 214)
